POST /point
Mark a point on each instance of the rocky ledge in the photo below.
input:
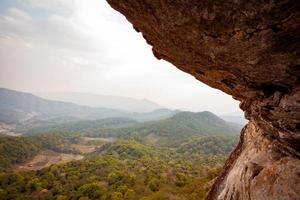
(250, 50)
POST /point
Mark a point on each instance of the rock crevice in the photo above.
(250, 50)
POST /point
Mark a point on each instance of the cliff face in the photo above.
(250, 50)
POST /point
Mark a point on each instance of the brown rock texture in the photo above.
(250, 50)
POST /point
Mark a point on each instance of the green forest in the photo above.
(170, 159)
(125, 169)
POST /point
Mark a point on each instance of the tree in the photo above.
(154, 184)
(94, 191)
(129, 195)
(113, 177)
(116, 196)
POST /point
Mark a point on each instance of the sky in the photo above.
(50, 46)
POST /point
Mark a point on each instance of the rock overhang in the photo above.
(248, 49)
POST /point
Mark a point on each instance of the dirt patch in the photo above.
(8, 130)
(89, 144)
(87, 139)
(152, 138)
(45, 159)
(84, 149)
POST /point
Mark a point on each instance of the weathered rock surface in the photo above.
(250, 50)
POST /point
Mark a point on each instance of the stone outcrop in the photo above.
(250, 50)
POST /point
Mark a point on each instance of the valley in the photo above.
(63, 156)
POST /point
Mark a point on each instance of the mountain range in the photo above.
(35, 114)
(105, 101)
(25, 108)
(124, 104)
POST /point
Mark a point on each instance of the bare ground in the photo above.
(45, 159)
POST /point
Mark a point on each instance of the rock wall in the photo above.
(250, 50)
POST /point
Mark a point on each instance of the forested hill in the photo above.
(189, 123)
(172, 131)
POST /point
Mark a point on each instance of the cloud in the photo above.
(56, 31)
(16, 13)
(65, 7)
(85, 46)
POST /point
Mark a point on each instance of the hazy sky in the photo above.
(86, 46)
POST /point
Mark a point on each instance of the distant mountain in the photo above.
(20, 107)
(237, 119)
(154, 115)
(105, 101)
